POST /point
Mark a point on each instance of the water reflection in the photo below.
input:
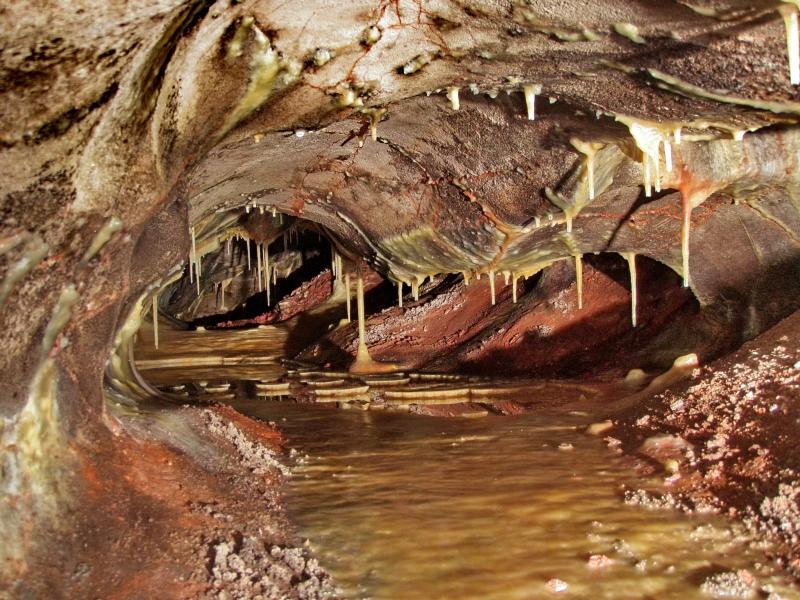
(400, 506)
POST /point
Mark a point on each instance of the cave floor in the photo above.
(397, 504)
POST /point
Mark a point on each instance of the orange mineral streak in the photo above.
(157, 489)
(510, 232)
(250, 427)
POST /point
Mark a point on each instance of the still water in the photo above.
(401, 506)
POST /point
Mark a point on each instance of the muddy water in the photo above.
(401, 506)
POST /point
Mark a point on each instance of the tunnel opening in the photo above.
(259, 270)
(244, 285)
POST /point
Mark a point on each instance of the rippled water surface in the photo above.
(402, 506)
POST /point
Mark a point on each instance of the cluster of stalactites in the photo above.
(265, 274)
(650, 139)
(261, 209)
(655, 143)
(529, 92)
(344, 271)
(513, 278)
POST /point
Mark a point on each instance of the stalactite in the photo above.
(266, 266)
(197, 275)
(363, 359)
(400, 294)
(192, 256)
(363, 362)
(247, 244)
(648, 139)
(375, 116)
(677, 136)
(265, 270)
(452, 95)
(589, 150)
(657, 169)
(514, 288)
(155, 320)
(631, 258)
(789, 14)
(579, 278)
(347, 293)
(258, 265)
(415, 288)
(686, 221)
(530, 92)
(491, 286)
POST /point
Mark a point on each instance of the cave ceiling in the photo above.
(405, 130)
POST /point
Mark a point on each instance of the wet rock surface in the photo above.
(732, 431)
